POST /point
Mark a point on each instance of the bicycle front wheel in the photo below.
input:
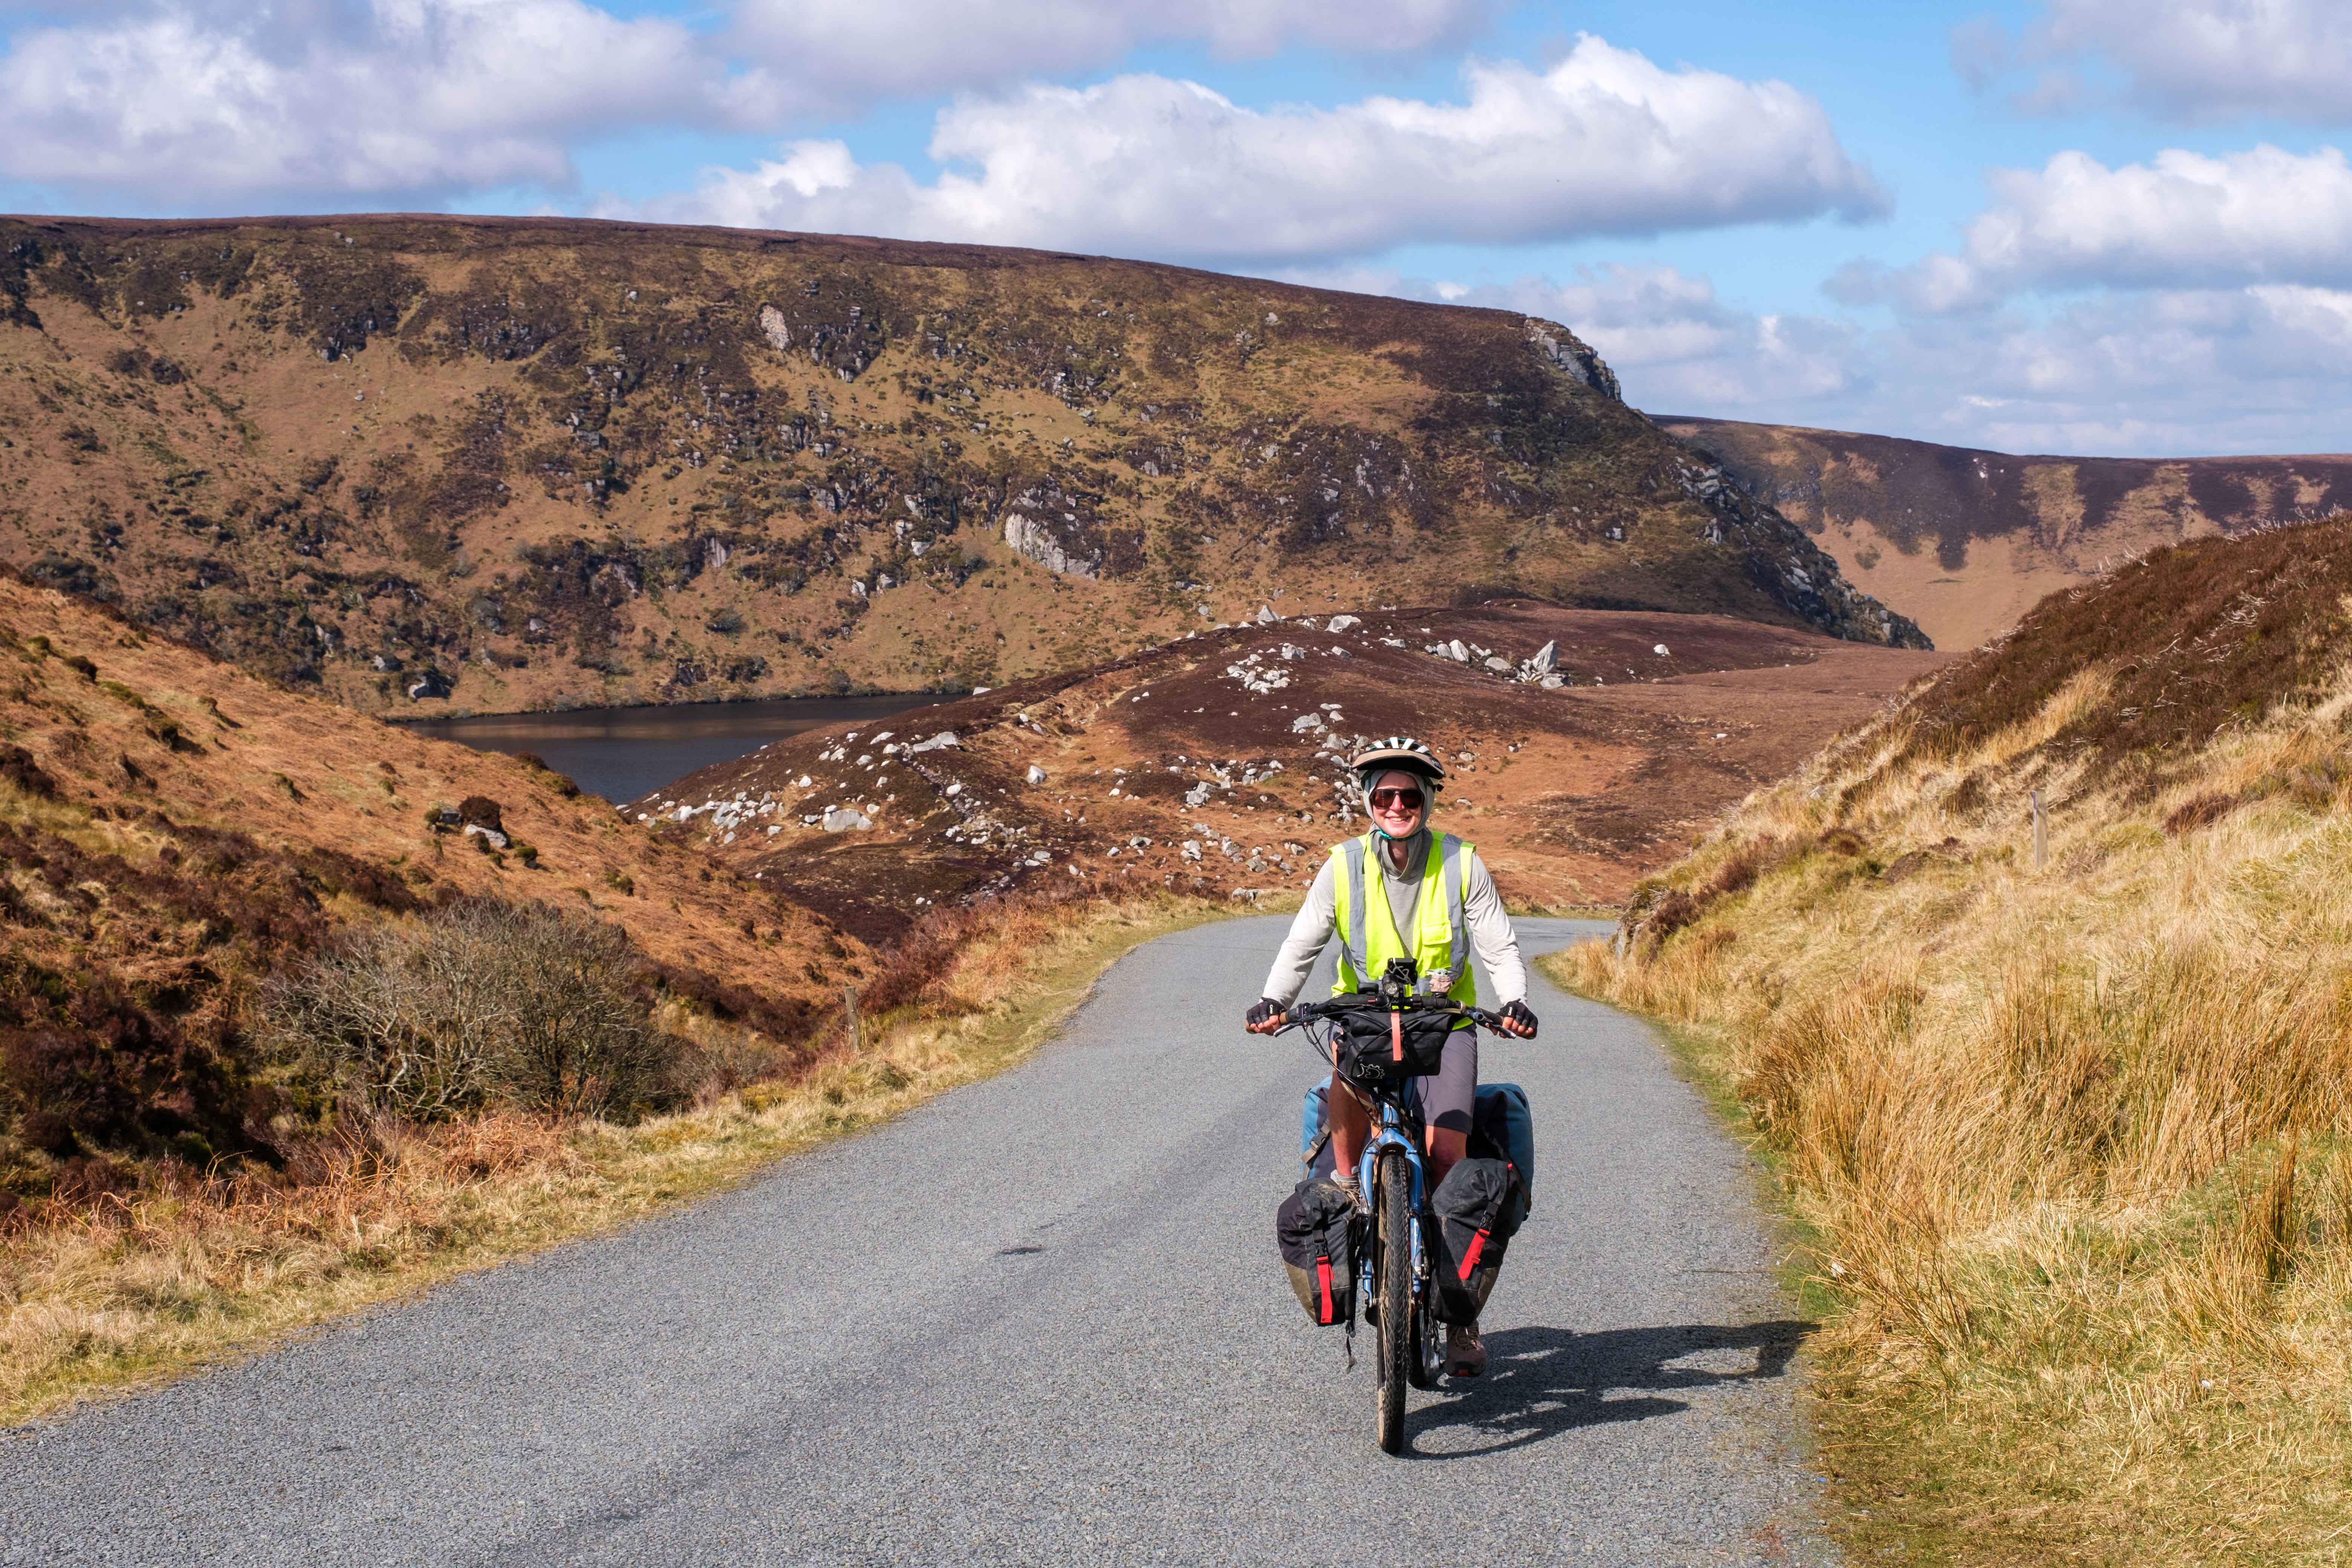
(1393, 1184)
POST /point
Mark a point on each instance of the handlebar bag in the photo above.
(1315, 1231)
(1469, 1207)
(1367, 1048)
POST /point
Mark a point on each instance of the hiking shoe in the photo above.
(1465, 1355)
(1355, 1194)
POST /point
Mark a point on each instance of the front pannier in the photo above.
(1474, 1208)
(1315, 1230)
(1502, 1127)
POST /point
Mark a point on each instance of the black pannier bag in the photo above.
(1315, 1232)
(1475, 1208)
(1502, 1127)
(1377, 1048)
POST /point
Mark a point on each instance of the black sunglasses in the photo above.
(1408, 799)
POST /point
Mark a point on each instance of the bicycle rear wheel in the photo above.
(1393, 1371)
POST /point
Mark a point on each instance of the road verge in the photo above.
(155, 1283)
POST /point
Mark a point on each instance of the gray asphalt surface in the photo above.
(1039, 1320)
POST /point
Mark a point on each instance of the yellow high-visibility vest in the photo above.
(1367, 928)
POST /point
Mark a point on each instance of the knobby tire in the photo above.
(1395, 1369)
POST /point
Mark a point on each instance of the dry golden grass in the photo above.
(2074, 1144)
(147, 1285)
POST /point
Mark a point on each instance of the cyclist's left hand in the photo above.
(1264, 1017)
(1517, 1021)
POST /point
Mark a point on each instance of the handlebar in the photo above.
(1308, 1012)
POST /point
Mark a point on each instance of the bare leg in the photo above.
(1445, 1146)
(1352, 1128)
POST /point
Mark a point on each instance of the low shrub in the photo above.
(479, 1004)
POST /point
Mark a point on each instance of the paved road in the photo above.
(1037, 1320)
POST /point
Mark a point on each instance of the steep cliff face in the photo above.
(511, 463)
(1968, 540)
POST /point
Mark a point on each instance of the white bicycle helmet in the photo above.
(1397, 753)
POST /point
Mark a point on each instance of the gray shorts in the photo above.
(1446, 1095)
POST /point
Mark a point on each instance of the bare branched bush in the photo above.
(477, 1004)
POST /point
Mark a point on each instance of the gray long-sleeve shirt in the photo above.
(1492, 937)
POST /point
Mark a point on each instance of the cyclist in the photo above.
(1401, 877)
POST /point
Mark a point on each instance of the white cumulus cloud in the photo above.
(2140, 372)
(2181, 219)
(2196, 60)
(205, 102)
(1603, 143)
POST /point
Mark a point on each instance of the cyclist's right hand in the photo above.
(1264, 1017)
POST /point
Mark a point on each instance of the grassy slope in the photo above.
(172, 828)
(2077, 1138)
(562, 463)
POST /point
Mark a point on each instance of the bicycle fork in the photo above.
(1389, 1134)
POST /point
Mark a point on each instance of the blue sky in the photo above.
(2087, 225)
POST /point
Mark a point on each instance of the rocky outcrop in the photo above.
(1783, 560)
(1565, 352)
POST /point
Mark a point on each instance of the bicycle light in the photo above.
(1396, 985)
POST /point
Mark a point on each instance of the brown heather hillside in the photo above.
(1965, 542)
(1217, 763)
(2072, 1134)
(535, 462)
(173, 829)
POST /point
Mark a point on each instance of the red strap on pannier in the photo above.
(1323, 1278)
(1470, 1255)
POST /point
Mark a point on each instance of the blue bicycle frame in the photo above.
(1391, 1134)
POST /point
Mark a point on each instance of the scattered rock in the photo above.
(1029, 536)
(496, 839)
(432, 683)
(846, 819)
(1341, 622)
(772, 327)
(1037, 774)
(944, 739)
(1456, 652)
(1547, 659)
(1660, 651)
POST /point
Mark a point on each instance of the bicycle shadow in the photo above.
(1543, 1381)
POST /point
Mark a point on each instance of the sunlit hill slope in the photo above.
(2073, 1126)
(514, 463)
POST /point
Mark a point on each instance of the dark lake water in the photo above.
(619, 753)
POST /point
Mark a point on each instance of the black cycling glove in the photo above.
(1265, 1011)
(1517, 1012)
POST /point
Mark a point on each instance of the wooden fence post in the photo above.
(856, 1025)
(2040, 833)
